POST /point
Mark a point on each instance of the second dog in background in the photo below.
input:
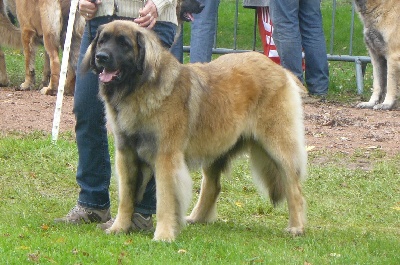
(381, 34)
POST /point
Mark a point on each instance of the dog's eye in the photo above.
(103, 38)
(124, 42)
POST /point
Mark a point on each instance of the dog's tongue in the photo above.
(189, 17)
(106, 77)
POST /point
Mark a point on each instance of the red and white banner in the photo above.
(266, 28)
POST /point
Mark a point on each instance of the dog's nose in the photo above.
(102, 57)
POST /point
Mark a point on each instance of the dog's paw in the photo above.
(366, 105)
(48, 91)
(295, 231)
(190, 220)
(384, 106)
(118, 227)
(167, 234)
(4, 82)
(26, 86)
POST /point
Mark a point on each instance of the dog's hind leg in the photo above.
(279, 174)
(206, 206)
(46, 71)
(51, 43)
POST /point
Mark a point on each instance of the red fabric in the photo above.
(266, 28)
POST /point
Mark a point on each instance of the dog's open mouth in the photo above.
(188, 17)
(107, 76)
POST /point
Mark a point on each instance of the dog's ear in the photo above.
(141, 49)
(89, 60)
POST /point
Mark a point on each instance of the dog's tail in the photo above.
(11, 35)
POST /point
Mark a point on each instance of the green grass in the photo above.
(353, 214)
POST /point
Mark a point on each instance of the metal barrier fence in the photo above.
(359, 61)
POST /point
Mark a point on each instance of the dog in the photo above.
(11, 36)
(381, 25)
(167, 117)
(44, 22)
(186, 9)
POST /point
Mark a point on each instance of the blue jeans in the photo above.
(94, 167)
(297, 26)
(203, 29)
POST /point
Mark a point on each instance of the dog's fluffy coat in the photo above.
(166, 116)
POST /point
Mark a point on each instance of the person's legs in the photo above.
(94, 167)
(202, 32)
(314, 45)
(286, 34)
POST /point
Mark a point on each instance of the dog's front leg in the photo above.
(127, 171)
(392, 91)
(174, 190)
(379, 71)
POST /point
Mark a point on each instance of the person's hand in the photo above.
(147, 15)
(88, 8)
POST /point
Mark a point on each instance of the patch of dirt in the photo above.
(329, 127)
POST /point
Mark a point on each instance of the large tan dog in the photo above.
(381, 34)
(166, 116)
(43, 21)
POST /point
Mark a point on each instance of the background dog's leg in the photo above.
(174, 190)
(127, 171)
(379, 72)
(3, 72)
(46, 71)
(206, 207)
(30, 46)
(51, 43)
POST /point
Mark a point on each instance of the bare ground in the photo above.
(329, 127)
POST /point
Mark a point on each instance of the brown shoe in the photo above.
(83, 215)
(312, 99)
(139, 223)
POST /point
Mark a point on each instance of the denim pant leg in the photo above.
(286, 34)
(94, 168)
(203, 30)
(177, 48)
(314, 45)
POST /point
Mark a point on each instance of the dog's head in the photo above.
(189, 7)
(117, 53)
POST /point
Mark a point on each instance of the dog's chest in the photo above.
(375, 41)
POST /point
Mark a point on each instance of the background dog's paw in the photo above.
(384, 106)
(365, 105)
(48, 91)
(295, 231)
(26, 86)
